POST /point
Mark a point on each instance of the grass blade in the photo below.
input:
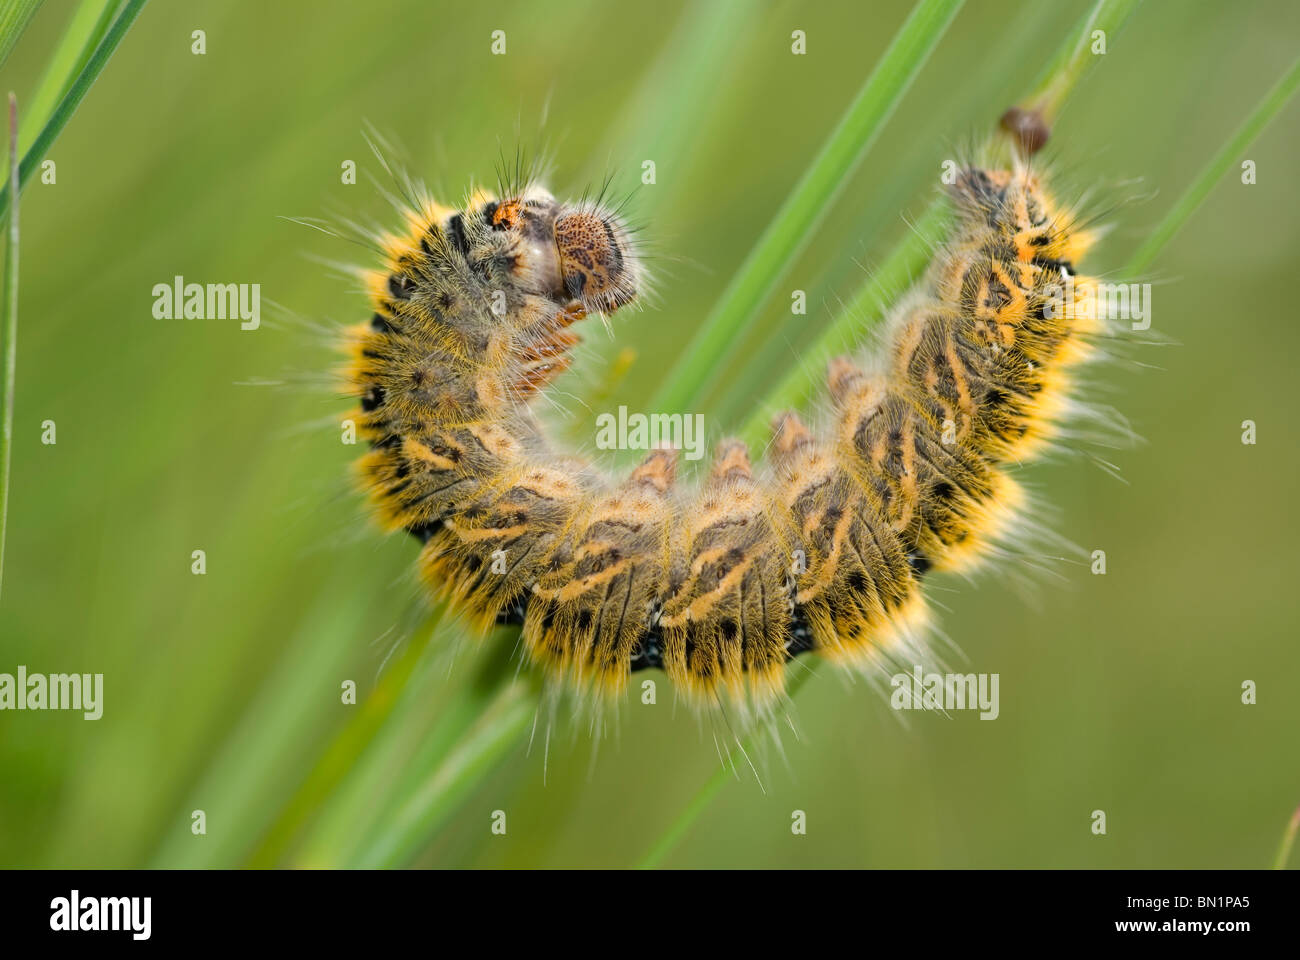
(1288, 841)
(1254, 124)
(9, 326)
(804, 208)
(897, 272)
(1072, 60)
(71, 100)
(343, 752)
(80, 39)
(678, 828)
(14, 17)
(365, 811)
(248, 769)
(423, 808)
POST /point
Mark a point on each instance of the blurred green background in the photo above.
(1118, 692)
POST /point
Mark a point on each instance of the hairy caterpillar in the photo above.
(822, 550)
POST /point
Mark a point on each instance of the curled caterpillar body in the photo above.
(823, 549)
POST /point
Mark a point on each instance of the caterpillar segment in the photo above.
(939, 497)
(726, 619)
(600, 595)
(823, 549)
(854, 586)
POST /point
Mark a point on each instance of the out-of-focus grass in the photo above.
(852, 322)
(83, 72)
(49, 120)
(1216, 167)
(8, 336)
(1288, 841)
(81, 37)
(716, 341)
(14, 17)
(1119, 691)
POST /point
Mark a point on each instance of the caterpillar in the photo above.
(823, 549)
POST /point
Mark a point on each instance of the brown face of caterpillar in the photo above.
(568, 255)
(594, 261)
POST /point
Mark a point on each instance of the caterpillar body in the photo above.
(823, 549)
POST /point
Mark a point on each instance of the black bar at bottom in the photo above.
(919, 910)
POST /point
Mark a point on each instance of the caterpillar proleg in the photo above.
(822, 549)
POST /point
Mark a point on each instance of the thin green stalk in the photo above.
(1072, 60)
(664, 116)
(793, 224)
(725, 773)
(71, 100)
(251, 765)
(14, 17)
(898, 271)
(1255, 122)
(1288, 841)
(661, 119)
(9, 324)
(355, 822)
(343, 753)
(424, 807)
(82, 36)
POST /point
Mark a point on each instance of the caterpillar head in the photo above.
(568, 253)
(595, 260)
